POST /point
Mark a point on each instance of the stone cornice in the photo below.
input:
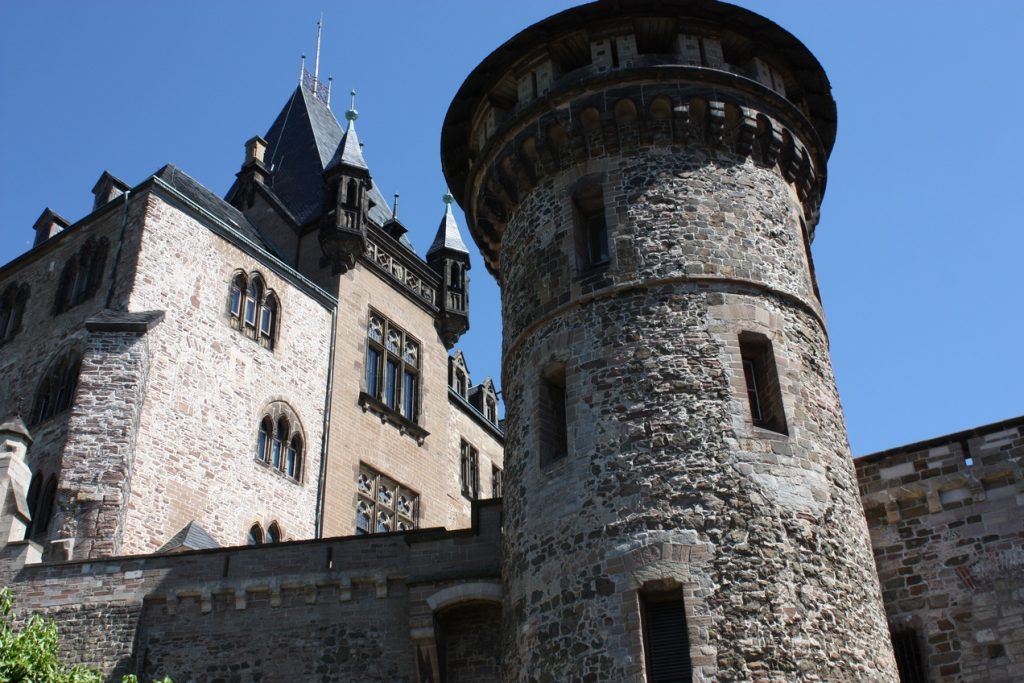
(713, 109)
(401, 268)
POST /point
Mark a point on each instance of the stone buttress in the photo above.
(645, 186)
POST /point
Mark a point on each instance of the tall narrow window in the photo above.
(469, 470)
(761, 380)
(268, 313)
(34, 491)
(666, 642)
(273, 533)
(909, 659)
(491, 410)
(12, 309)
(293, 464)
(554, 441)
(382, 504)
(392, 367)
(252, 302)
(238, 287)
(495, 481)
(263, 440)
(280, 439)
(44, 512)
(591, 230)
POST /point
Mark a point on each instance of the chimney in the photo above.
(48, 225)
(107, 189)
(255, 147)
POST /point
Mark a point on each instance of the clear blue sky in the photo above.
(919, 247)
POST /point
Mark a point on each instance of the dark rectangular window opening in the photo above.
(666, 641)
(554, 433)
(495, 481)
(761, 378)
(806, 238)
(909, 658)
(469, 470)
(592, 230)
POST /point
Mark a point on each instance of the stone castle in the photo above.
(240, 444)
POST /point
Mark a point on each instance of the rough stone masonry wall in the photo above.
(947, 525)
(666, 478)
(96, 471)
(45, 336)
(339, 610)
(209, 386)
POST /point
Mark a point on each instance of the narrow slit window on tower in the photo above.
(591, 228)
(806, 239)
(761, 380)
(666, 642)
(469, 470)
(554, 433)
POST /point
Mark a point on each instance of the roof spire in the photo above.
(316, 61)
(302, 68)
(448, 236)
(330, 80)
(351, 115)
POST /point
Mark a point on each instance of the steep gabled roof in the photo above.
(211, 203)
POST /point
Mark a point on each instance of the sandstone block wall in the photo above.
(947, 526)
(430, 468)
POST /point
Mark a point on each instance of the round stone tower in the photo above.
(644, 180)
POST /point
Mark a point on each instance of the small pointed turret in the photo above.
(449, 258)
(346, 200)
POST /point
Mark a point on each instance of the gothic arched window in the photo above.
(263, 440)
(57, 390)
(273, 533)
(12, 309)
(253, 308)
(279, 441)
(255, 535)
(82, 274)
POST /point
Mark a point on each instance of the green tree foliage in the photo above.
(31, 654)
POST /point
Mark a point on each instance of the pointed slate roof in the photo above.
(448, 235)
(191, 537)
(302, 142)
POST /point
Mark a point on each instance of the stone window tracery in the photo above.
(392, 367)
(56, 392)
(279, 442)
(382, 504)
(469, 470)
(12, 309)
(254, 309)
(81, 275)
